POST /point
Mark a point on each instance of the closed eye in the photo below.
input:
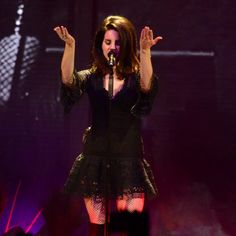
(107, 41)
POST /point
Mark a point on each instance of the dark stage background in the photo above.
(189, 137)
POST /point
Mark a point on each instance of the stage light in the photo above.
(9, 48)
(21, 6)
(20, 11)
(18, 22)
(17, 30)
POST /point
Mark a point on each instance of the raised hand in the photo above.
(147, 40)
(63, 34)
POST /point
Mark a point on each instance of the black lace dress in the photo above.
(112, 161)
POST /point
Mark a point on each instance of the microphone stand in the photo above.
(110, 85)
(110, 94)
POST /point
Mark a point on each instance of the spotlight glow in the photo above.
(20, 11)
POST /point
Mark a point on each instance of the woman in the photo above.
(112, 163)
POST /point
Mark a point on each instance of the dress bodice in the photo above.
(116, 122)
(113, 144)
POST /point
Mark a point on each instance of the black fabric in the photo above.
(113, 156)
(96, 230)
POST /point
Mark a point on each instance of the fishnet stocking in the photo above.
(130, 203)
(96, 209)
(96, 206)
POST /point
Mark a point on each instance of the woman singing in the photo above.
(112, 163)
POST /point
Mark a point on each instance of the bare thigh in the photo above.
(131, 204)
(96, 210)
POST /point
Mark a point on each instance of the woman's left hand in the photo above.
(147, 40)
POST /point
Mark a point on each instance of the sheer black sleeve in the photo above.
(145, 100)
(70, 94)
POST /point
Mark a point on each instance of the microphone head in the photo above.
(112, 55)
(113, 52)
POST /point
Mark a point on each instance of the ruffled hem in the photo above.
(89, 177)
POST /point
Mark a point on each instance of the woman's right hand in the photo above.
(63, 34)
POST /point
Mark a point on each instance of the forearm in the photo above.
(146, 70)
(67, 63)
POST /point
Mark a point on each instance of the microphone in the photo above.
(112, 54)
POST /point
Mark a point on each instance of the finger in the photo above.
(64, 33)
(158, 38)
(142, 34)
(145, 32)
(58, 31)
(150, 33)
(56, 28)
(63, 30)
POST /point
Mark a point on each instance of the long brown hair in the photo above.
(128, 59)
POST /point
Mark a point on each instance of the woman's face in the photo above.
(111, 41)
